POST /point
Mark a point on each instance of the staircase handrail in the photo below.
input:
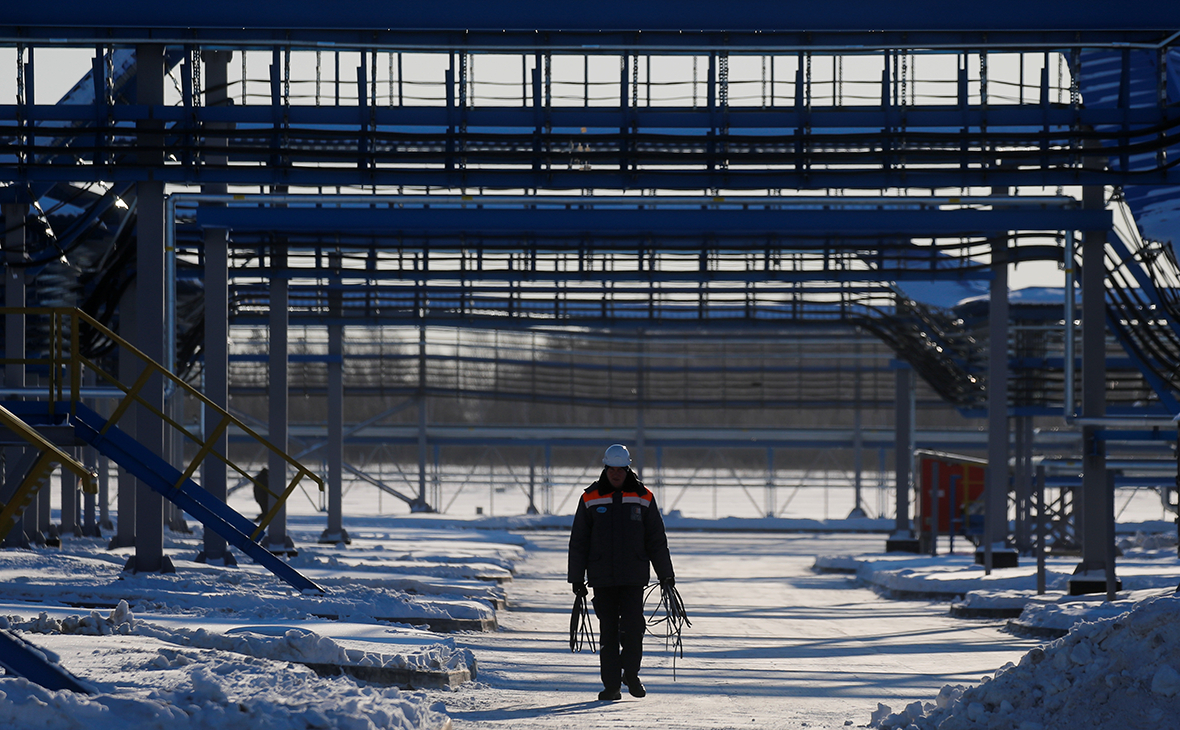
(72, 360)
(14, 423)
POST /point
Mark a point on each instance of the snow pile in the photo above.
(1113, 674)
(1147, 542)
(1069, 611)
(292, 645)
(205, 691)
(119, 621)
(221, 695)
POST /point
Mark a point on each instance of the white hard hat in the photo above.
(616, 455)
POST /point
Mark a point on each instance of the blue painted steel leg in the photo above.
(26, 660)
(162, 477)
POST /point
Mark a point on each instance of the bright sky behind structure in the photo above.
(496, 80)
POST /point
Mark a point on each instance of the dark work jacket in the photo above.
(617, 536)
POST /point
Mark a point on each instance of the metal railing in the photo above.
(65, 363)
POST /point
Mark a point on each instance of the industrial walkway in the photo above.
(773, 645)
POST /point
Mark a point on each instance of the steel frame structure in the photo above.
(121, 130)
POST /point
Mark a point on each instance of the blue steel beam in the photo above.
(137, 20)
(660, 225)
(24, 659)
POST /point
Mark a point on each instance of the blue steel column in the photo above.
(903, 539)
(14, 347)
(277, 540)
(995, 521)
(216, 243)
(1091, 516)
(149, 300)
(335, 532)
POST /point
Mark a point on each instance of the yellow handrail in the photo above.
(75, 361)
(28, 433)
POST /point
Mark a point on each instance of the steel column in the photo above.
(216, 320)
(903, 539)
(995, 521)
(128, 371)
(1095, 526)
(335, 532)
(640, 396)
(858, 510)
(150, 337)
(420, 504)
(277, 540)
(14, 348)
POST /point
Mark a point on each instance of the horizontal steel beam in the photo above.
(443, 223)
(605, 179)
(681, 437)
(834, 124)
(605, 22)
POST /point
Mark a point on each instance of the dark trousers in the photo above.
(620, 624)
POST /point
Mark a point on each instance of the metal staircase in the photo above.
(35, 465)
(64, 407)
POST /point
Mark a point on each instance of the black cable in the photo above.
(581, 628)
(674, 619)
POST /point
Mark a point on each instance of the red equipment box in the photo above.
(960, 492)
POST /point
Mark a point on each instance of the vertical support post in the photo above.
(216, 243)
(1041, 516)
(532, 508)
(659, 490)
(640, 397)
(1070, 306)
(952, 508)
(771, 507)
(25, 530)
(903, 539)
(420, 504)
(90, 459)
(1091, 515)
(69, 503)
(1024, 484)
(277, 540)
(150, 339)
(935, 511)
(858, 444)
(995, 519)
(548, 486)
(128, 371)
(103, 408)
(335, 532)
(104, 495)
(44, 526)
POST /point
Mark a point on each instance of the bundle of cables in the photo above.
(671, 614)
(581, 630)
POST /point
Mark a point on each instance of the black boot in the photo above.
(609, 695)
(635, 687)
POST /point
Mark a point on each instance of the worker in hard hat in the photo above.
(617, 537)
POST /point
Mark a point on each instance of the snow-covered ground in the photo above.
(220, 647)
(773, 642)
